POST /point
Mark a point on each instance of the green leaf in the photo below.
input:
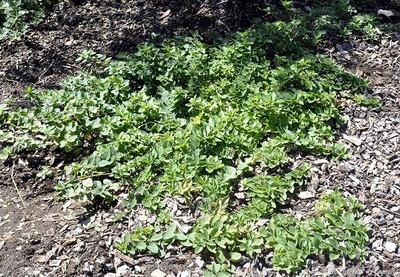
(170, 232)
(223, 274)
(230, 173)
(208, 273)
(141, 245)
(156, 237)
(181, 237)
(6, 152)
(333, 256)
(235, 257)
(87, 183)
(198, 249)
(153, 247)
(104, 163)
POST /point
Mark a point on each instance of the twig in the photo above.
(222, 2)
(222, 23)
(54, 270)
(16, 187)
(338, 272)
(44, 72)
(125, 258)
(390, 212)
(128, 259)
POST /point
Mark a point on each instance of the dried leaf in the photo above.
(387, 13)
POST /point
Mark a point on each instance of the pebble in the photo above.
(389, 217)
(373, 259)
(36, 273)
(240, 195)
(395, 208)
(376, 210)
(117, 262)
(55, 263)
(346, 46)
(123, 271)
(390, 246)
(381, 221)
(367, 219)
(390, 234)
(87, 267)
(377, 245)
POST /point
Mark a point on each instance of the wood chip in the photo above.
(352, 139)
(355, 180)
(125, 258)
(371, 167)
(40, 259)
(306, 195)
(166, 14)
(158, 273)
(240, 195)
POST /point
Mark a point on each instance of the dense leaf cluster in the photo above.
(16, 16)
(213, 127)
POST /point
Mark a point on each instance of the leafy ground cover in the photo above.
(16, 17)
(212, 126)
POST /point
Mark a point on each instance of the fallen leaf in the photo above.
(387, 13)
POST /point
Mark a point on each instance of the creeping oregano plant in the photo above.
(17, 16)
(213, 127)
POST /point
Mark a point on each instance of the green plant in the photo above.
(16, 16)
(149, 239)
(333, 19)
(336, 232)
(45, 172)
(202, 123)
(91, 58)
(363, 100)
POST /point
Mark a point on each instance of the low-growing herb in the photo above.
(214, 127)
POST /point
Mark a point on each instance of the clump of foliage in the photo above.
(372, 102)
(333, 19)
(190, 120)
(213, 127)
(16, 16)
